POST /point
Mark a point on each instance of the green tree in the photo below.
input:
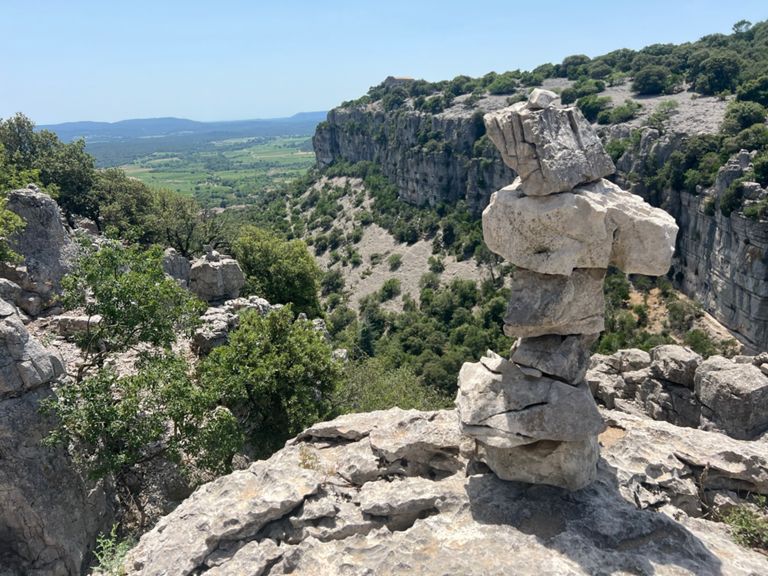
(10, 223)
(276, 374)
(651, 80)
(179, 221)
(121, 205)
(136, 302)
(282, 271)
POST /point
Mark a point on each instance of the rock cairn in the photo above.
(561, 224)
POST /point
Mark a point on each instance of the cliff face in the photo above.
(432, 158)
(720, 260)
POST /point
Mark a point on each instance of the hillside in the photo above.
(671, 116)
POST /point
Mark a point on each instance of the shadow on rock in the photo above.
(594, 527)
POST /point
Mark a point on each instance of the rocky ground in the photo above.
(397, 492)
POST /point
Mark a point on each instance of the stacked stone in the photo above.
(561, 224)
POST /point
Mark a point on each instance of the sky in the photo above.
(108, 60)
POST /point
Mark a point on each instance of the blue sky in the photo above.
(66, 60)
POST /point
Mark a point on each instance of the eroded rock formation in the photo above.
(533, 417)
(213, 277)
(49, 514)
(387, 493)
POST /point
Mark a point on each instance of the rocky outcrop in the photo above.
(674, 384)
(387, 493)
(176, 266)
(215, 277)
(46, 248)
(218, 321)
(432, 158)
(533, 419)
(50, 515)
(720, 260)
(551, 149)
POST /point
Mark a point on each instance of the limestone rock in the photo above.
(564, 357)
(552, 149)
(215, 278)
(676, 364)
(594, 226)
(569, 465)
(543, 304)
(501, 406)
(176, 266)
(45, 245)
(734, 397)
(71, 325)
(50, 515)
(218, 321)
(626, 521)
(540, 98)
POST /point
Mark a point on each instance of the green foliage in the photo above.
(755, 90)
(700, 342)
(110, 553)
(395, 261)
(652, 80)
(583, 87)
(616, 148)
(10, 223)
(742, 115)
(661, 114)
(121, 205)
(390, 289)
(624, 113)
(179, 222)
(282, 271)
(505, 83)
(719, 72)
(275, 374)
(136, 301)
(750, 528)
(116, 422)
(732, 198)
(65, 170)
(592, 105)
(760, 168)
(371, 384)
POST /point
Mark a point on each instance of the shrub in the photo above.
(732, 198)
(390, 289)
(742, 115)
(651, 80)
(371, 384)
(275, 374)
(592, 105)
(282, 271)
(755, 90)
(750, 528)
(504, 83)
(700, 342)
(395, 261)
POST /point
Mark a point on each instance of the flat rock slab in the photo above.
(563, 357)
(552, 149)
(542, 304)
(593, 226)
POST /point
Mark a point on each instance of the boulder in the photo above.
(593, 226)
(543, 304)
(632, 519)
(501, 406)
(552, 149)
(218, 321)
(215, 278)
(72, 325)
(562, 357)
(46, 248)
(734, 397)
(676, 364)
(540, 98)
(176, 266)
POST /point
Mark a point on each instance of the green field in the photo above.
(227, 172)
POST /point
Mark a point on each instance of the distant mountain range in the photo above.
(93, 132)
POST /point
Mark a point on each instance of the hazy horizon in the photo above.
(95, 61)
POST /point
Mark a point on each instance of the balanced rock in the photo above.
(561, 357)
(548, 304)
(216, 277)
(552, 149)
(505, 407)
(593, 226)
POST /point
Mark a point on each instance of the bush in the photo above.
(750, 528)
(282, 271)
(592, 105)
(371, 384)
(755, 90)
(503, 84)
(395, 261)
(742, 115)
(390, 289)
(275, 374)
(651, 80)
